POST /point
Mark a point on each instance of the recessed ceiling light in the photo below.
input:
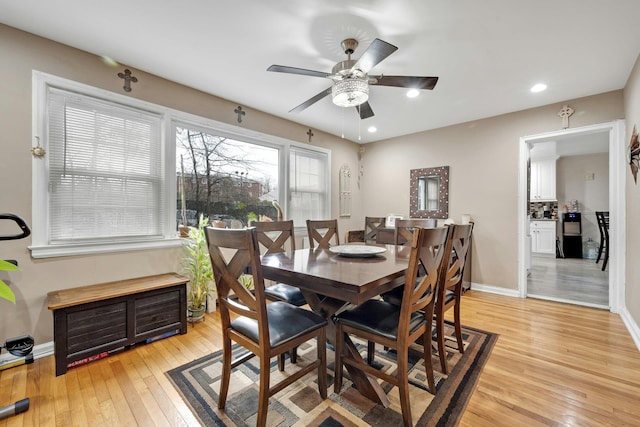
(372, 129)
(412, 93)
(538, 87)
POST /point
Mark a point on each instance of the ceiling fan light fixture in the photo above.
(412, 93)
(350, 92)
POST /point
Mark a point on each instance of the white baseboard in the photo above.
(495, 290)
(39, 351)
(631, 325)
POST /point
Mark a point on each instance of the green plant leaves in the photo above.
(5, 290)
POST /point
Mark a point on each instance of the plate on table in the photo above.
(357, 251)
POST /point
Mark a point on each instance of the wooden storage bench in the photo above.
(90, 320)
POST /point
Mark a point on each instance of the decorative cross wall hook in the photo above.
(128, 79)
(310, 134)
(565, 113)
(240, 113)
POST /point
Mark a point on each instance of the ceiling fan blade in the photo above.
(404, 81)
(377, 51)
(293, 70)
(309, 102)
(364, 110)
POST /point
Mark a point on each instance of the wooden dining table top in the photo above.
(349, 279)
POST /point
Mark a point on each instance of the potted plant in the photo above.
(5, 290)
(197, 267)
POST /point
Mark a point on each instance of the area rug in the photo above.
(300, 404)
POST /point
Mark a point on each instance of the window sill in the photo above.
(51, 251)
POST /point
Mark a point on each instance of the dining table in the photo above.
(334, 278)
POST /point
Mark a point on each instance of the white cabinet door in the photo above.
(543, 237)
(543, 180)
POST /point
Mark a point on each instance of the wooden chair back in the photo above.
(276, 236)
(241, 254)
(323, 233)
(403, 234)
(460, 241)
(428, 248)
(371, 226)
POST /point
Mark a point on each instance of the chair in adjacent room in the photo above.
(265, 330)
(397, 327)
(323, 233)
(450, 288)
(273, 237)
(404, 229)
(603, 226)
(372, 224)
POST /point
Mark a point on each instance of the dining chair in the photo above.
(403, 233)
(265, 330)
(603, 226)
(449, 292)
(274, 237)
(398, 327)
(372, 224)
(323, 233)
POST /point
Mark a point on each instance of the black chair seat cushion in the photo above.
(378, 317)
(394, 296)
(286, 293)
(286, 322)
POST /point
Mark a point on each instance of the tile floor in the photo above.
(573, 280)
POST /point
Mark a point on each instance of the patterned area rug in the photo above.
(300, 403)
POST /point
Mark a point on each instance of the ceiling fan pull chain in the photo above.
(342, 123)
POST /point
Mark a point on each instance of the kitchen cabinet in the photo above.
(543, 237)
(543, 180)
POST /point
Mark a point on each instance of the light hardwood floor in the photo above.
(553, 365)
(569, 279)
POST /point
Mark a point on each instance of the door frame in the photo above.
(617, 205)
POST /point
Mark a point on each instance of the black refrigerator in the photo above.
(572, 235)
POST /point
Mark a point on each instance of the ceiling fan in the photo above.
(351, 79)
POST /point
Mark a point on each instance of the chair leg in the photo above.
(322, 356)
(281, 362)
(371, 352)
(442, 351)
(293, 355)
(337, 378)
(600, 250)
(428, 364)
(263, 398)
(606, 257)
(457, 325)
(226, 372)
(403, 385)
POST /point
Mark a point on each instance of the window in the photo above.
(113, 164)
(236, 178)
(308, 185)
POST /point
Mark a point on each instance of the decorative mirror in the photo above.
(429, 193)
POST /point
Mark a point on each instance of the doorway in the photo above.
(577, 281)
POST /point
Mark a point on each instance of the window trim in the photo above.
(170, 118)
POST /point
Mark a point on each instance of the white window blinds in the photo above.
(105, 170)
(308, 185)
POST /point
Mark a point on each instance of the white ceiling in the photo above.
(487, 53)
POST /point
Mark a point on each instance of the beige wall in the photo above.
(592, 195)
(483, 160)
(632, 110)
(22, 53)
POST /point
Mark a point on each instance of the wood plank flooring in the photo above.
(553, 365)
(569, 279)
